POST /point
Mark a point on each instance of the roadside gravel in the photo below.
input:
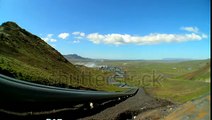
(131, 107)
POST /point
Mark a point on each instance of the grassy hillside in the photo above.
(168, 80)
(202, 74)
(179, 91)
(27, 57)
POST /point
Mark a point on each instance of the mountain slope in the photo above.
(202, 73)
(26, 56)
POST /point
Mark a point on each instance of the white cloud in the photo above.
(53, 40)
(49, 38)
(76, 41)
(190, 29)
(49, 35)
(79, 33)
(78, 36)
(63, 35)
(204, 36)
(154, 38)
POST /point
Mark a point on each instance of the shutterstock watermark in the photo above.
(90, 79)
(145, 79)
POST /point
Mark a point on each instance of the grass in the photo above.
(167, 79)
(93, 79)
(179, 91)
(202, 74)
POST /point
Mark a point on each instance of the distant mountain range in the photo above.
(177, 59)
(75, 56)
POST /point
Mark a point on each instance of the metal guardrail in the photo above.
(22, 91)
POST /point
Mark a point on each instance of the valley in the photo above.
(163, 85)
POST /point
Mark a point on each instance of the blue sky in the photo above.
(117, 29)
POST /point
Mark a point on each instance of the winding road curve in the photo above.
(17, 90)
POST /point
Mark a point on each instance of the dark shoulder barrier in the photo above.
(13, 90)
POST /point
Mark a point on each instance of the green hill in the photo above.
(27, 57)
(202, 74)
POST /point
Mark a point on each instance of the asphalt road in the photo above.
(14, 90)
